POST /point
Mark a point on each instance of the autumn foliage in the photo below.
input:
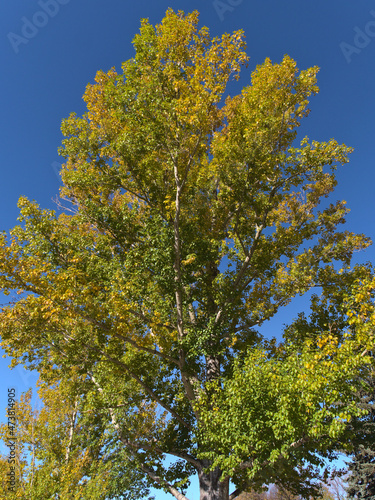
(191, 218)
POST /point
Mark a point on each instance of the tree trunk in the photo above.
(211, 488)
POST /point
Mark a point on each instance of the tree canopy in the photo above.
(190, 218)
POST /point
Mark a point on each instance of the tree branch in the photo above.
(248, 257)
(149, 391)
(71, 431)
(147, 349)
(236, 493)
(296, 444)
(163, 483)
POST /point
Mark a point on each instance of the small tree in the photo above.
(277, 493)
(337, 487)
(57, 455)
(192, 222)
(48, 462)
(280, 493)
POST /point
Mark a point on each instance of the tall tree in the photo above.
(192, 222)
(361, 477)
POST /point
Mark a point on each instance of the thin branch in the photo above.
(178, 454)
(135, 194)
(249, 256)
(248, 464)
(149, 391)
(147, 349)
(296, 444)
(163, 483)
(300, 442)
(140, 316)
(191, 157)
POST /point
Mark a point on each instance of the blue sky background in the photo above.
(51, 49)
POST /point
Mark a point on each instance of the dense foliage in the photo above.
(189, 222)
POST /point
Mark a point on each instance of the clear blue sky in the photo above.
(50, 50)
